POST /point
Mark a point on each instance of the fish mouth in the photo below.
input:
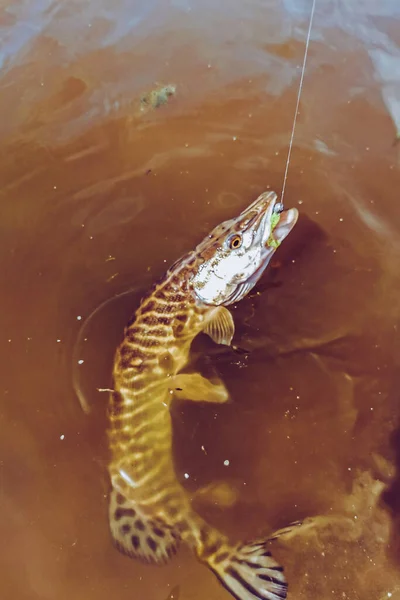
(272, 224)
(264, 216)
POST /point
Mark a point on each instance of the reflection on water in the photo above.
(98, 198)
(174, 595)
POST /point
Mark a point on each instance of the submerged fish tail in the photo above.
(246, 569)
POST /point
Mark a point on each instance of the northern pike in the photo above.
(150, 512)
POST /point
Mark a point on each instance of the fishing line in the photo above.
(298, 100)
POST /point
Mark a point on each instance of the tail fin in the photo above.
(249, 572)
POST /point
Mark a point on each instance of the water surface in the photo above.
(98, 198)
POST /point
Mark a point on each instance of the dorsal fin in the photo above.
(137, 536)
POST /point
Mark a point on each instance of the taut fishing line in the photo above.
(297, 103)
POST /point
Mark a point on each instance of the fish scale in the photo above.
(141, 342)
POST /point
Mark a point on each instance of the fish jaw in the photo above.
(282, 228)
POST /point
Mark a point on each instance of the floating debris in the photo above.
(157, 97)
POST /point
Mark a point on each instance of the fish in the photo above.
(150, 512)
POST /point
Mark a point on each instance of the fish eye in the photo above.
(235, 241)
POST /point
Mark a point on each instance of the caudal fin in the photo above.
(249, 572)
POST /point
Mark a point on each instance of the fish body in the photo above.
(150, 511)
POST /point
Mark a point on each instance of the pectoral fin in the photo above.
(217, 493)
(193, 386)
(220, 326)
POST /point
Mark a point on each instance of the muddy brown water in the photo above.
(98, 198)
